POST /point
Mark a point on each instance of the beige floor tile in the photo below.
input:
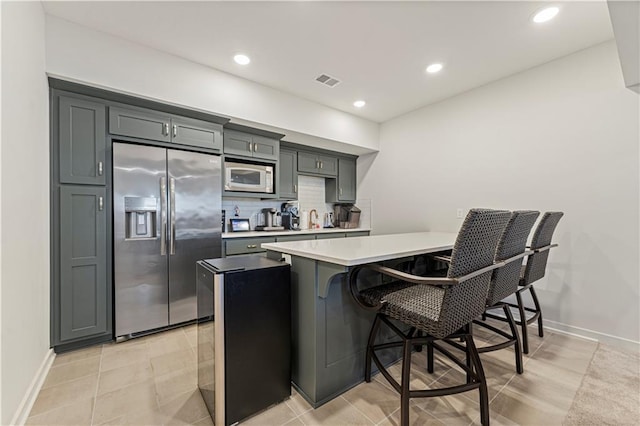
(571, 353)
(294, 422)
(71, 371)
(274, 416)
(452, 409)
(139, 418)
(191, 333)
(186, 408)
(113, 347)
(79, 413)
(129, 353)
(124, 401)
(335, 412)
(297, 403)
(65, 394)
(175, 383)
(174, 342)
(524, 409)
(417, 417)
(121, 377)
(375, 400)
(204, 422)
(173, 361)
(77, 355)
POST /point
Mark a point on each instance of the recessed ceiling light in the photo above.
(241, 59)
(359, 104)
(434, 68)
(546, 14)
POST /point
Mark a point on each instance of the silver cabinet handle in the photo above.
(320, 164)
(250, 146)
(255, 147)
(100, 204)
(100, 168)
(175, 130)
(317, 164)
(340, 191)
(250, 246)
(172, 201)
(295, 188)
(166, 129)
(163, 216)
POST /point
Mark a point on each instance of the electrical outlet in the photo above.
(459, 213)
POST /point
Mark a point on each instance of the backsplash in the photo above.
(310, 196)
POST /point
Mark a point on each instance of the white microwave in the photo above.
(248, 177)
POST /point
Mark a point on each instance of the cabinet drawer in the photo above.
(246, 245)
(187, 131)
(141, 124)
(357, 234)
(285, 238)
(331, 235)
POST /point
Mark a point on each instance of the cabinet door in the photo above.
(186, 131)
(307, 162)
(288, 175)
(84, 303)
(144, 124)
(328, 165)
(346, 179)
(265, 148)
(81, 141)
(238, 143)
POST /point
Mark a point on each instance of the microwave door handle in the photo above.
(163, 216)
(172, 200)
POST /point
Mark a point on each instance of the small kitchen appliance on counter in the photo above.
(244, 335)
(346, 216)
(290, 218)
(269, 220)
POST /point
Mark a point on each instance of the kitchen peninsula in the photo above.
(329, 330)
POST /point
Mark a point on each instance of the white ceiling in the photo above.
(379, 50)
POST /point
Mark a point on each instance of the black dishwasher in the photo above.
(244, 335)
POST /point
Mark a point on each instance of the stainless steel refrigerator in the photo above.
(167, 212)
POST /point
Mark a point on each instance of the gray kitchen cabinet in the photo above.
(139, 123)
(357, 234)
(343, 188)
(198, 133)
(248, 145)
(84, 298)
(81, 141)
(317, 164)
(235, 246)
(330, 235)
(158, 126)
(288, 175)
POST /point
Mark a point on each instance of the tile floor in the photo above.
(152, 381)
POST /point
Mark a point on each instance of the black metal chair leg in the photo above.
(484, 393)
(523, 324)
(418, 348)
(538, 311)
(370, 343)
(406, 376)
(514, 332)
(430, 368)
(468, 349)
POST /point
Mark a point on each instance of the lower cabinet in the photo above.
(252, 245)
(84, 296)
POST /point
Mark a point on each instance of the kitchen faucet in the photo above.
(312, 222)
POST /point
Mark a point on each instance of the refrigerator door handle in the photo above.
(163, 216)
(172, 200)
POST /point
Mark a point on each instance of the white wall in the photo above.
(562, 136)
(79, 53)
(24, 220)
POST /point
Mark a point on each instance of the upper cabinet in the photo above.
(158, 126)
(250, 145)
(288, 181)
(81, 141)
(317, 164)
(343, 188)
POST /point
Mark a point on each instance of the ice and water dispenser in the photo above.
(140, 217)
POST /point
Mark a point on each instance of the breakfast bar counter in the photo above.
(329, 330)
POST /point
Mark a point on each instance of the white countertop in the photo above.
(361, 250)
(253, 234)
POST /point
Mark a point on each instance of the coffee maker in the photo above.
(290, 217)
(346, 216)
(269, 216)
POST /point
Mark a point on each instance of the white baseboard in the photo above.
(20, 417)
(585, 333)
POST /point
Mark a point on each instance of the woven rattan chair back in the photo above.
(513, 241)
(474, 249)
(537, 262)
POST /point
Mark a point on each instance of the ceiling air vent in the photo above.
(327, 80)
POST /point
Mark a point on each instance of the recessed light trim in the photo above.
(545, 15)
(434, 68)
(359, 104)
(241, 59)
